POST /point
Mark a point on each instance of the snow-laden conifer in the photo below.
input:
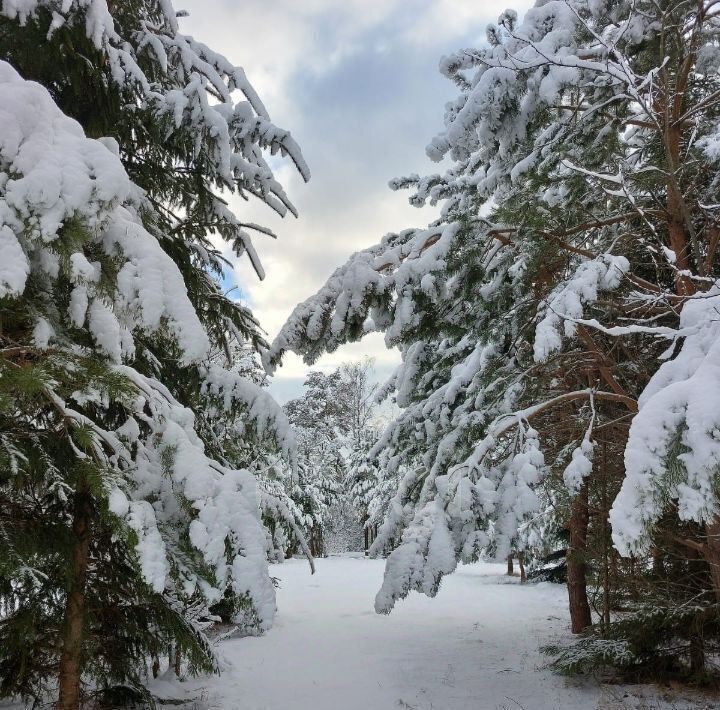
(576, 234)
(122, 488)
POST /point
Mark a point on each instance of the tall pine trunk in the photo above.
(711, 553)
(75, 607)
(580, 617)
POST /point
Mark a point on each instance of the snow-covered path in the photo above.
(474, 647)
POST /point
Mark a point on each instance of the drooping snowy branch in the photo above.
(673, 452)
(190, 88)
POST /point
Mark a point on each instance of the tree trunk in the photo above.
(316, 541)
(75, 609)
(677, 213)
(510, 569)
(678, 243)
(697, 653)
(521, 562)
(580, 617)
(658, 563)
(607, 549)
(712, 554)
(178, 662)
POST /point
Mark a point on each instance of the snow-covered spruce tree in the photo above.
(123, 514)
(577, 224)
(363, 484)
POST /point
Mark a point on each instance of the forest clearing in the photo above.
(461, 650)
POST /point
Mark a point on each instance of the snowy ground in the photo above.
(474, 647)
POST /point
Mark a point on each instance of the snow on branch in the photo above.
(673, 451)
(55, 176)
(372, 291)
(567, 302)
(193, 89)
(265, 415)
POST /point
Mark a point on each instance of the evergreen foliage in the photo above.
(556, 322)
(335, 430)
(126, 506)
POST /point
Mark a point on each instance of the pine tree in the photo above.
(336, 480)
(125, 513)
(318, 418)
(577, 234)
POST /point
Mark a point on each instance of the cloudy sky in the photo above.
(356, 82)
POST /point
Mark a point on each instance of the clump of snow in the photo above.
(14, 266)
(53, 175)
(581, 463)
(42, 333)
(567, 302)
(673, 450)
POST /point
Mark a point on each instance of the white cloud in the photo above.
(275, 40)
(447, 19)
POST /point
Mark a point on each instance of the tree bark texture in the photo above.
(580, 617)
(75, 606)
(711, 553)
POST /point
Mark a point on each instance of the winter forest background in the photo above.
(236, 408)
